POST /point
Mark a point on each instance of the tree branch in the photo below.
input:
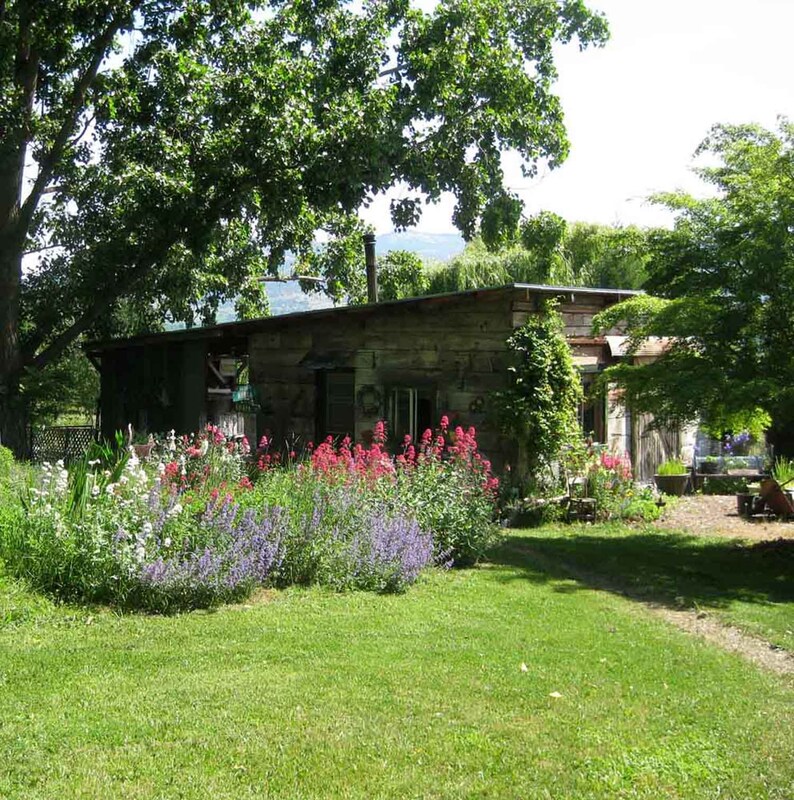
(41, 249)
(47, 166)
(288, 278)
(83, 132)
(102, 302)
(105, 297)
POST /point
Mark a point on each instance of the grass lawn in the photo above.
(310, 694)
(747, 584)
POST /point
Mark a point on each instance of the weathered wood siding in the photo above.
(455, 345)
(453, 348)
(154, 388)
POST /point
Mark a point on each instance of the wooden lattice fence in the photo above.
(67, 442)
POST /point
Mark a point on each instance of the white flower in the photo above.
(110, 488)
(93, 462)
(177, 509)
(161, 468)
(147, 528)
(95, 491)
(167, 541)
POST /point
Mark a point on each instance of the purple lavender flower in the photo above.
(387, 552)
(238, 553)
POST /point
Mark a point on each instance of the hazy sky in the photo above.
(636, 109)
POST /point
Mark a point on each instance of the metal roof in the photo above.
(254, 326)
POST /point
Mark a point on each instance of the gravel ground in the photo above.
(716, 515)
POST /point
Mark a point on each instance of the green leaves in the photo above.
(726, 272)
(219, 135)
(540, 409)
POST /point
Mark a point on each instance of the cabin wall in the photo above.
(153, 388)
(452, 351)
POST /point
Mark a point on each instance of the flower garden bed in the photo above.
(204, 520)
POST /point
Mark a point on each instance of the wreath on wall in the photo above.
(369, 400)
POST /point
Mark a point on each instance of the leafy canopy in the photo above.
(178, 149)
(723, 281)
(223, 134)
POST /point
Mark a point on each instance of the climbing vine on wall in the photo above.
(539, 409)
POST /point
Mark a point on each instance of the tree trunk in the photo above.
(12, 416)
(14, 423)
(12, 242)
(14, 228)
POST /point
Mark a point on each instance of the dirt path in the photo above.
(758, 651)
(716, 515)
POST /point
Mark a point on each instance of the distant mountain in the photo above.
(287, 298)
(429, 246)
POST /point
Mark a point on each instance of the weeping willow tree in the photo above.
(546, 249)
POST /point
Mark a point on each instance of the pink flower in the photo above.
(379, 432)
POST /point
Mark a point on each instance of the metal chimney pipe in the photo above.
(372, 269)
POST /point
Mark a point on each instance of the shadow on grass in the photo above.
(675, 570)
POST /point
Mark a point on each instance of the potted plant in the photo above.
(710, 465)
(783, 473)
(142, 443)
(672, 477)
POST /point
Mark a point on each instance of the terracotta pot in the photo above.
(143, 450)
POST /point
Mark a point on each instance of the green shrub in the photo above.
(723, 485)
(14, 478)
(539, 409)
(6, 463)
(178, 535)
(449, 501)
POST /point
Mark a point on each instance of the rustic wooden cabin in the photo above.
(304, 376)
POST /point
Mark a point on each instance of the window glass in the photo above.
(411, 412)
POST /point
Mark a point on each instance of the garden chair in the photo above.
(581, 507)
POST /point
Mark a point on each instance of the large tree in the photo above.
(161, 155)
(723, 289)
